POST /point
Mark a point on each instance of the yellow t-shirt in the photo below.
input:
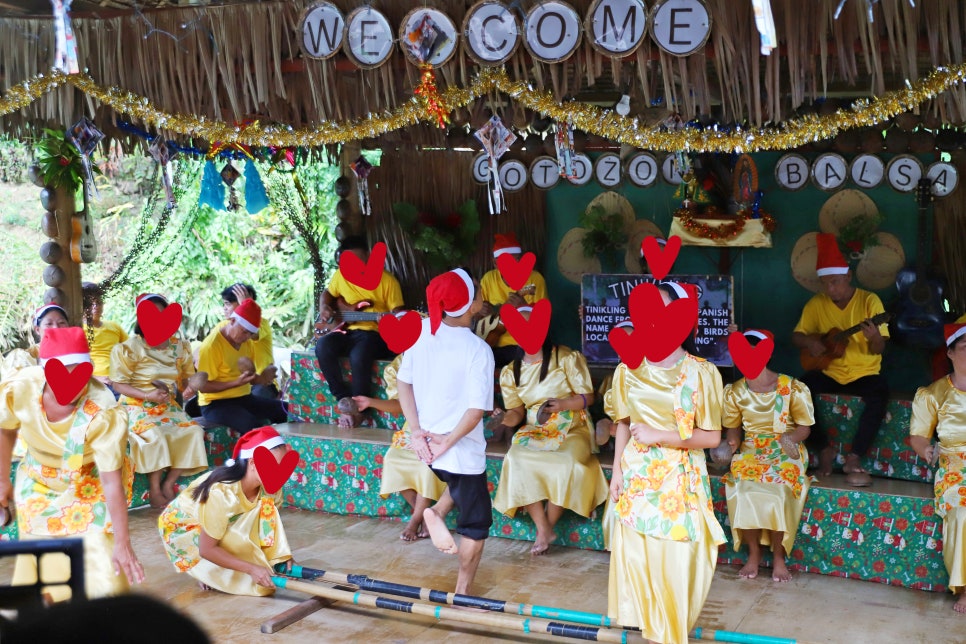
(106, 337)
(384, 298)
(821, 315)
(219, 359)
(960, 319)
(496, 291)
(262, 345)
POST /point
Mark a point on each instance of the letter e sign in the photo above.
(680, 27)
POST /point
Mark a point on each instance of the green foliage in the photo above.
(20, 283)
(59, 161)
(858, 233)
(605, 231)
(445, 241)
(14, 159)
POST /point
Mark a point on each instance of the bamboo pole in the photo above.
(508, 622)
(453, 599)
(708, 634)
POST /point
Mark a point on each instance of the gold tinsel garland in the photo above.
(589, 118)
(724, 231)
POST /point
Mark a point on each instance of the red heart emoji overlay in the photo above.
(401, 332)
(274, 473)
(661, 328)
(628, 346)
(516, 273)
(750, 360)
(365, 276)
(158, 326)
(658, 260)
(531, 333)
(67, 384)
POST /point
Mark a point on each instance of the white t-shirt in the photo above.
(451, 372)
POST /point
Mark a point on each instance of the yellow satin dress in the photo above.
(570, 475)
(161, 434)
(248, 529)
(606, 390)
(940, 409)
(664, 545)
(401, 468)
(61, 496)
(766, 489)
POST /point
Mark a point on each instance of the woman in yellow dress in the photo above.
(940, 409)
(550, 460)
(767, 485)
(402, 471)
(104, 335)
(74, 480)
(664, 544)
(162, 436)
(49, 316)
(224, 529)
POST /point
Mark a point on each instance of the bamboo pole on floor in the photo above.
(453, 599)
(491, 619)
(708, 634)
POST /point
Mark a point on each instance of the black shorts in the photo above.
(472, 497)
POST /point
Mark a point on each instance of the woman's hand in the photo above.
(645, 434)
(188, 393)
(261, 576)
(125, 561)
(555, 405)
(616, 484)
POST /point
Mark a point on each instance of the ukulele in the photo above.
(835, 342)
(491, 328)
(336, 323)
(83, 244)
(919, 313)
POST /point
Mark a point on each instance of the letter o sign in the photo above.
(513, 175)
(583, 170)
(680, 27)
(642, 170)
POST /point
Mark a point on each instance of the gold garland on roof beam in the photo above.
(588, 118)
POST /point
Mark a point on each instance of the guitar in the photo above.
(83, 244)
(337, 322)
(920, 314)
(835, 342)
(491, 328)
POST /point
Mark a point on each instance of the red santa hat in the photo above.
(44, 310)
(67, 344)
(507, 243)
(953, 332)
(266, 437)
(248, 314)
(758, 334)
(830, 260)
(150, 296)
(451, 293)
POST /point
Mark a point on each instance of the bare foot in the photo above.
(168, 491)
(825, 461)
(439, 533)
(960, 606)
(750, 569)
(422, 534)
(602, 431)
(411, 531)
(780, 572)
(158, 500)
(540, 546)
(852, 465)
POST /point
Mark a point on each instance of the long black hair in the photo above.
(221, 474)
(549, 349)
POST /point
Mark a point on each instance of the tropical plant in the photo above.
(605, 231)
(446, 240)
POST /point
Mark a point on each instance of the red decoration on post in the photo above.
(433, 102)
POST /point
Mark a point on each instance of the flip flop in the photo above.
(858, 479)
(543, 415)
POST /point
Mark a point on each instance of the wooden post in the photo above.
(68, 292)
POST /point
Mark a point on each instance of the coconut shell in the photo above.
(342, 231)
(847, 142)
(343, 186)
(897, 141)
(580, 141)
(48, 199)
(48, 223)
(51, 252)
(55, 296)
(550, 145)
(343, 209)
(36, 175)
(872, 140)
(53, 275)
(922, 142)
(540, 123)
(907, 121)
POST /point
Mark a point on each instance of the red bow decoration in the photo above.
(430, 93)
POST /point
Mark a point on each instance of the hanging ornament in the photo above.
(230, 175)
(65, 52)
(565, 150)
(361, 168)
(212, 190)
(496, 139)
(85, 136)
(256, 199)
(163, 154)
(429, 93)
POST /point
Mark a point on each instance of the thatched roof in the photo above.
(242, 60)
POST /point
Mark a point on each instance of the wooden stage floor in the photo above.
(810, 608)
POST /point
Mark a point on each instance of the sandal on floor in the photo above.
(858, 479)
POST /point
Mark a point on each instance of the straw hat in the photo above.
(639, 230)
(571, 261)
(843, 207)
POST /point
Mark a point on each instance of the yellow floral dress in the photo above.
(248, 529)
(58, 490)
(554, 461)
(401, 468)
(766, 489)
(664, 544)
(161, 434)
(940, 409)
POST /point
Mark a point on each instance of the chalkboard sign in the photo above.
(604, 298)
